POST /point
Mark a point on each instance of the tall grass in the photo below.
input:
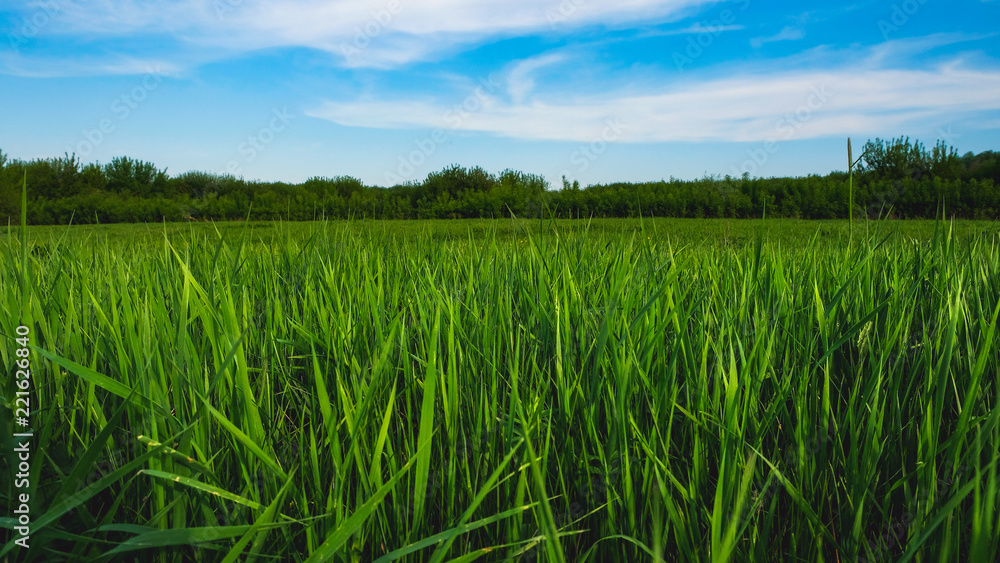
(563, 395)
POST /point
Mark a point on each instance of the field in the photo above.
(618, 390)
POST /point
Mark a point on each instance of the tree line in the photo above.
(896, 178)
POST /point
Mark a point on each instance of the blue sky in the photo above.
(390, 90)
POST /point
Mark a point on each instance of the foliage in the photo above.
(129, 177)
(895, 178)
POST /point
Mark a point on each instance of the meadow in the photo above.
(571, 390)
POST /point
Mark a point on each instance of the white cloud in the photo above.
(376, 33)
(789, 33)
(520, 81)
(14, 64)
(890, 52)
(768, 106)
(694, 29)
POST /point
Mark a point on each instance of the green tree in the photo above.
(126, 176)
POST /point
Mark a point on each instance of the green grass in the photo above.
(456, 391)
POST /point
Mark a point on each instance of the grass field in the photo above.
(515, 390)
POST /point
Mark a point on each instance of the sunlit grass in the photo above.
(518, 390)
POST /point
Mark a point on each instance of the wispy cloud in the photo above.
(896, 51)
(789, 33)
(398, 32)
(13, 64)
(694, 29)
(520, 79)
(751, 107)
